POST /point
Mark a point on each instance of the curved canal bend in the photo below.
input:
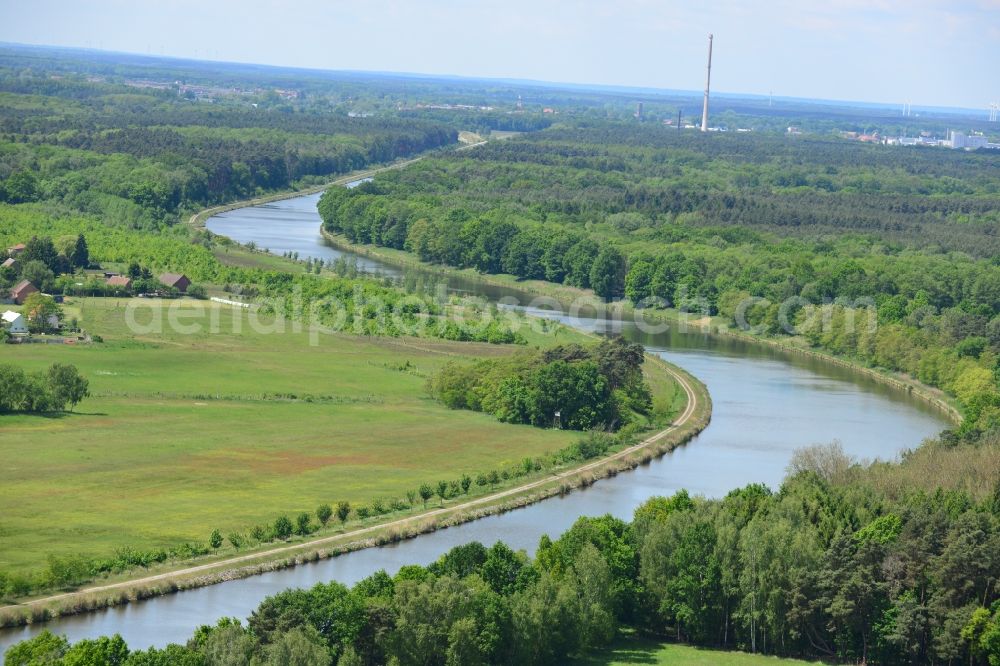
(766, 403)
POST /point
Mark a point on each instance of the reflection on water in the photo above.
(766, 403)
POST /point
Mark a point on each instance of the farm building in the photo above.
(15, 250)
(14, 323)
(119, 282)
(10, 262)
(176, 280)
(21, 291)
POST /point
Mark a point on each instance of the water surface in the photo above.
(766, 403)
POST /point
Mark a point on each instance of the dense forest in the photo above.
(813, 231)
(141, 159)
(843, 561)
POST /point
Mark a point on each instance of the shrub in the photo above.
(302, 524)
(283, 528)
(343, 511)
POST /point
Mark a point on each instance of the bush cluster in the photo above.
(39, 392)
(568, 386)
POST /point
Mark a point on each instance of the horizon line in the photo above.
(558, 85)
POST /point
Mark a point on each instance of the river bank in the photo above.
(694, 416)
(198, 219)
(752, 388)
(713, 326)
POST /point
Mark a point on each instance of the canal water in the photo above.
(766, 403)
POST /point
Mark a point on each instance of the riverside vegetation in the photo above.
(98, 175)
(183, 399)
(885, 563)
(883, 256)
(837, 563)
(568, 386)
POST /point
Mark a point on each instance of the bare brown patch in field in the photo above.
(276, 462)
(438, 347)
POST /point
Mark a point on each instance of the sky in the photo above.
(927, 52)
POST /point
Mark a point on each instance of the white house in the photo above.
(14, 323)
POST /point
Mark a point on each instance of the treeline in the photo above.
(489, 244)
(40, 392)
(360, 304)
(568, 386)
(482, 122)
(802, 188)
(663, 220)
(831, 566)
(140, 158)
(42, 259)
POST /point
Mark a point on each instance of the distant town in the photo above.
(955, 140)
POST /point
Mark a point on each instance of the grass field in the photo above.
(645, 651)
(184, 434)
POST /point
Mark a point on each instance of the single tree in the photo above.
(41, 249)
(466, 483)
(607, 275)
(81, 254)
(302, 525)
(301, 646)
(283, 528)
(343, 511)
(215, 540)
(21, 187)
(66, 385)
(38, 274)
(323, 512)
(426, 492)
(42, 312)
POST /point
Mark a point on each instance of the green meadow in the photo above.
(653, 653)
(187, 433)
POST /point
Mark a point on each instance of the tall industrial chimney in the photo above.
(708, 84)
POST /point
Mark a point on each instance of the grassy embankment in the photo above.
(189, 433)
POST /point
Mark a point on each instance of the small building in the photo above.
(9, 262)
(176, 280)
(14, 323)
(21, 291)
(15, 250)
(119, 282)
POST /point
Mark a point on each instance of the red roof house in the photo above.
(22, 290)
(176, 280)
(119, 282)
